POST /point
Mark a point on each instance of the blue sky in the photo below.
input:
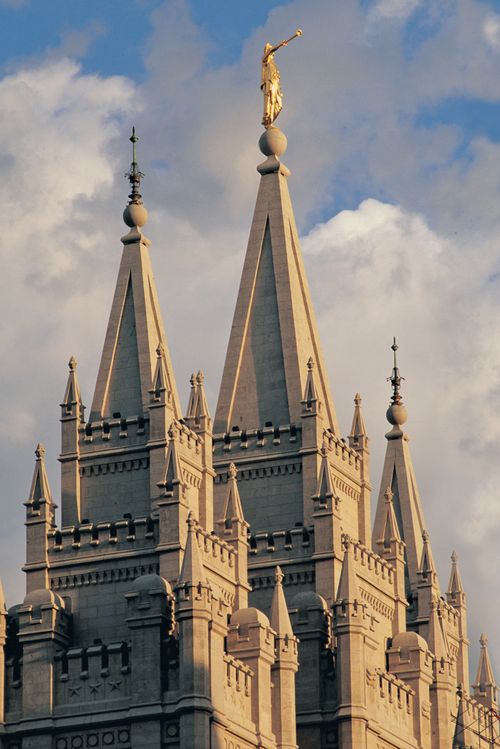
(392, 112)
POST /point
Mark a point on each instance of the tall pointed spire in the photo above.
(398, 473)
(427, 565)
(485, 687)
(135, 325)
(274, 329)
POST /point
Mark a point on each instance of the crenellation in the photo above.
(282, 544)
(82, 540)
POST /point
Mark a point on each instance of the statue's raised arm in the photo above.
(270, 82)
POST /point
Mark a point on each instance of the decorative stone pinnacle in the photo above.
(232, 471)
(389, 495)
(357, 399)
(483, 640)
(134, 175)
(454, 557)
(160, 350)
(72, 364)
(346, 541)
(192, 380)
(310, 364)
(278, 575)
(395, 379)
(191, 522)
(40, 451)
(200, 377)
(425, 536)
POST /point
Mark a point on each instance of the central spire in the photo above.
(274, 332)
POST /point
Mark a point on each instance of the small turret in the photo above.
(310, 401)
(193, 614)
(197, 415)
(232, 527)
(284, 669)
(455, 596)
(40, 518)
(463, 737)
(72, 415)
(392, 548)
(485, 687)
(358, 440)
(350, 628)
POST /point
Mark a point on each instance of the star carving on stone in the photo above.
(94, 688)
(115, 686)
(74, 691)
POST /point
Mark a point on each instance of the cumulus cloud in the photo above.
(394, 9)
(417, 254)
(491, 29)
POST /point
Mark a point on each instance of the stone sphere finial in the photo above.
(396, 414)
(135, 214)
(273, 142)
(232, 471)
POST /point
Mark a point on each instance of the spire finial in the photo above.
(395, 378)
(72, 364)
(135, 214)
(483, 640)
(40, 451)
(388, 495)
(278, 575)
(133, 175)
(396, 413)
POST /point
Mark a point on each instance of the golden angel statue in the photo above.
(270, 81)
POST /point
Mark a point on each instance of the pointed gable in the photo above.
(129, 359)
(274, 328)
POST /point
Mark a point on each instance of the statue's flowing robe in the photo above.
(270, 85)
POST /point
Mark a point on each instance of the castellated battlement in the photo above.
(120, 432)
(84, 540)
(218, 555)
(96, 674)
(285, 544)
(374, 568)
(391, 702)
(276, 439)
(237, 688)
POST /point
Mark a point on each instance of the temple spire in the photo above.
(135, 328)
(398, 474)
(485, 687)
(192, 571)
(274, 330)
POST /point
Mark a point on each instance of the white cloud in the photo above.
(399, 10)
(491, 30)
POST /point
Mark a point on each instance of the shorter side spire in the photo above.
(455, 592)
(198, 415)
(280, 619)
(160, 392)
(192, 571)
(427, 569)
(348, 590)
(358, 437)
(485, 687)
(391, 529)
(233, 510)
(40, 490)
(72, 405)
(325, 493)
(310, 401)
